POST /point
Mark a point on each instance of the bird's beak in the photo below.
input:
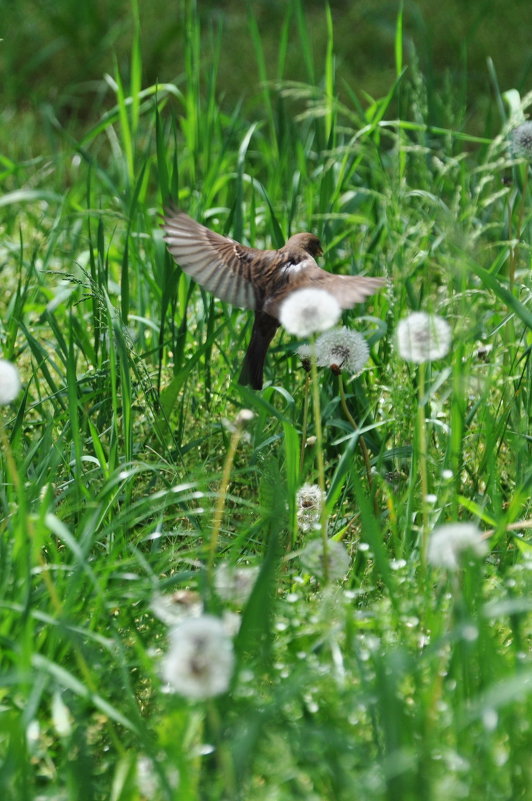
(320, 251)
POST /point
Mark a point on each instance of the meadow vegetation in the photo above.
(137, 474)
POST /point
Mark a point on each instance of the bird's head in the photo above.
(307, 242)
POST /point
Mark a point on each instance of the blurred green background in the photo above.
(57, 51)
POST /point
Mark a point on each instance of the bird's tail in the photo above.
(263, 332)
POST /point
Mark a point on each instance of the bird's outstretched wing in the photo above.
(251, 278)
(348, 289)
(217, 263)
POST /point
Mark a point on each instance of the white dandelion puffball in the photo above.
(9, 382)
(309, 503)
(235, 583)
(305, 354)
(342, 349)
(172, 609)
(448, 543)
(521, 141)
(338, 561)
(200, 661)
(307, 311)
(148, 780)
(423, 337)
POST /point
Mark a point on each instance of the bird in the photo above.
(254, 279)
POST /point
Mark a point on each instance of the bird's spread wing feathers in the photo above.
(250, 278)
(349, 289)
(219, 264)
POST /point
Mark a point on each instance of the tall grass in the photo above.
(402, 681)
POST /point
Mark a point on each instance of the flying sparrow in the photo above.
(257, 279)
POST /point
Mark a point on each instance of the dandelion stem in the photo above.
(319, 457)
(351, 419)
(10, 461)
(514, 248)
(304, 427)
(422, 460)
(223, 752)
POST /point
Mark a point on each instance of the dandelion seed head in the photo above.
(243, 417)
(235, 583)
(9, 382)
(200, 661)
(343, 349)
(423, 337)
(33, 733)
(148, 779)
(308, 311)
(470, 633)
(232, 622)
(397, 564)
(449, 543)
(490, 719)
(239, 423)
(521, 141)
(305, 354)
(61, 715)
(310, 496)
(338, 561)
(309, 502)
(171, 609)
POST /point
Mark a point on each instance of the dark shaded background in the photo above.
(56, 51)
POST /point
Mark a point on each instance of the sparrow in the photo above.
(259, 280)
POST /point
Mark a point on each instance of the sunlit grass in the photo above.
(400, 682)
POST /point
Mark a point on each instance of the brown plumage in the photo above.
(257, 279)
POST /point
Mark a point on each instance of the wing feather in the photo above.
(347, 289)
(351, 289)
(218, 263)
(250, 278)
